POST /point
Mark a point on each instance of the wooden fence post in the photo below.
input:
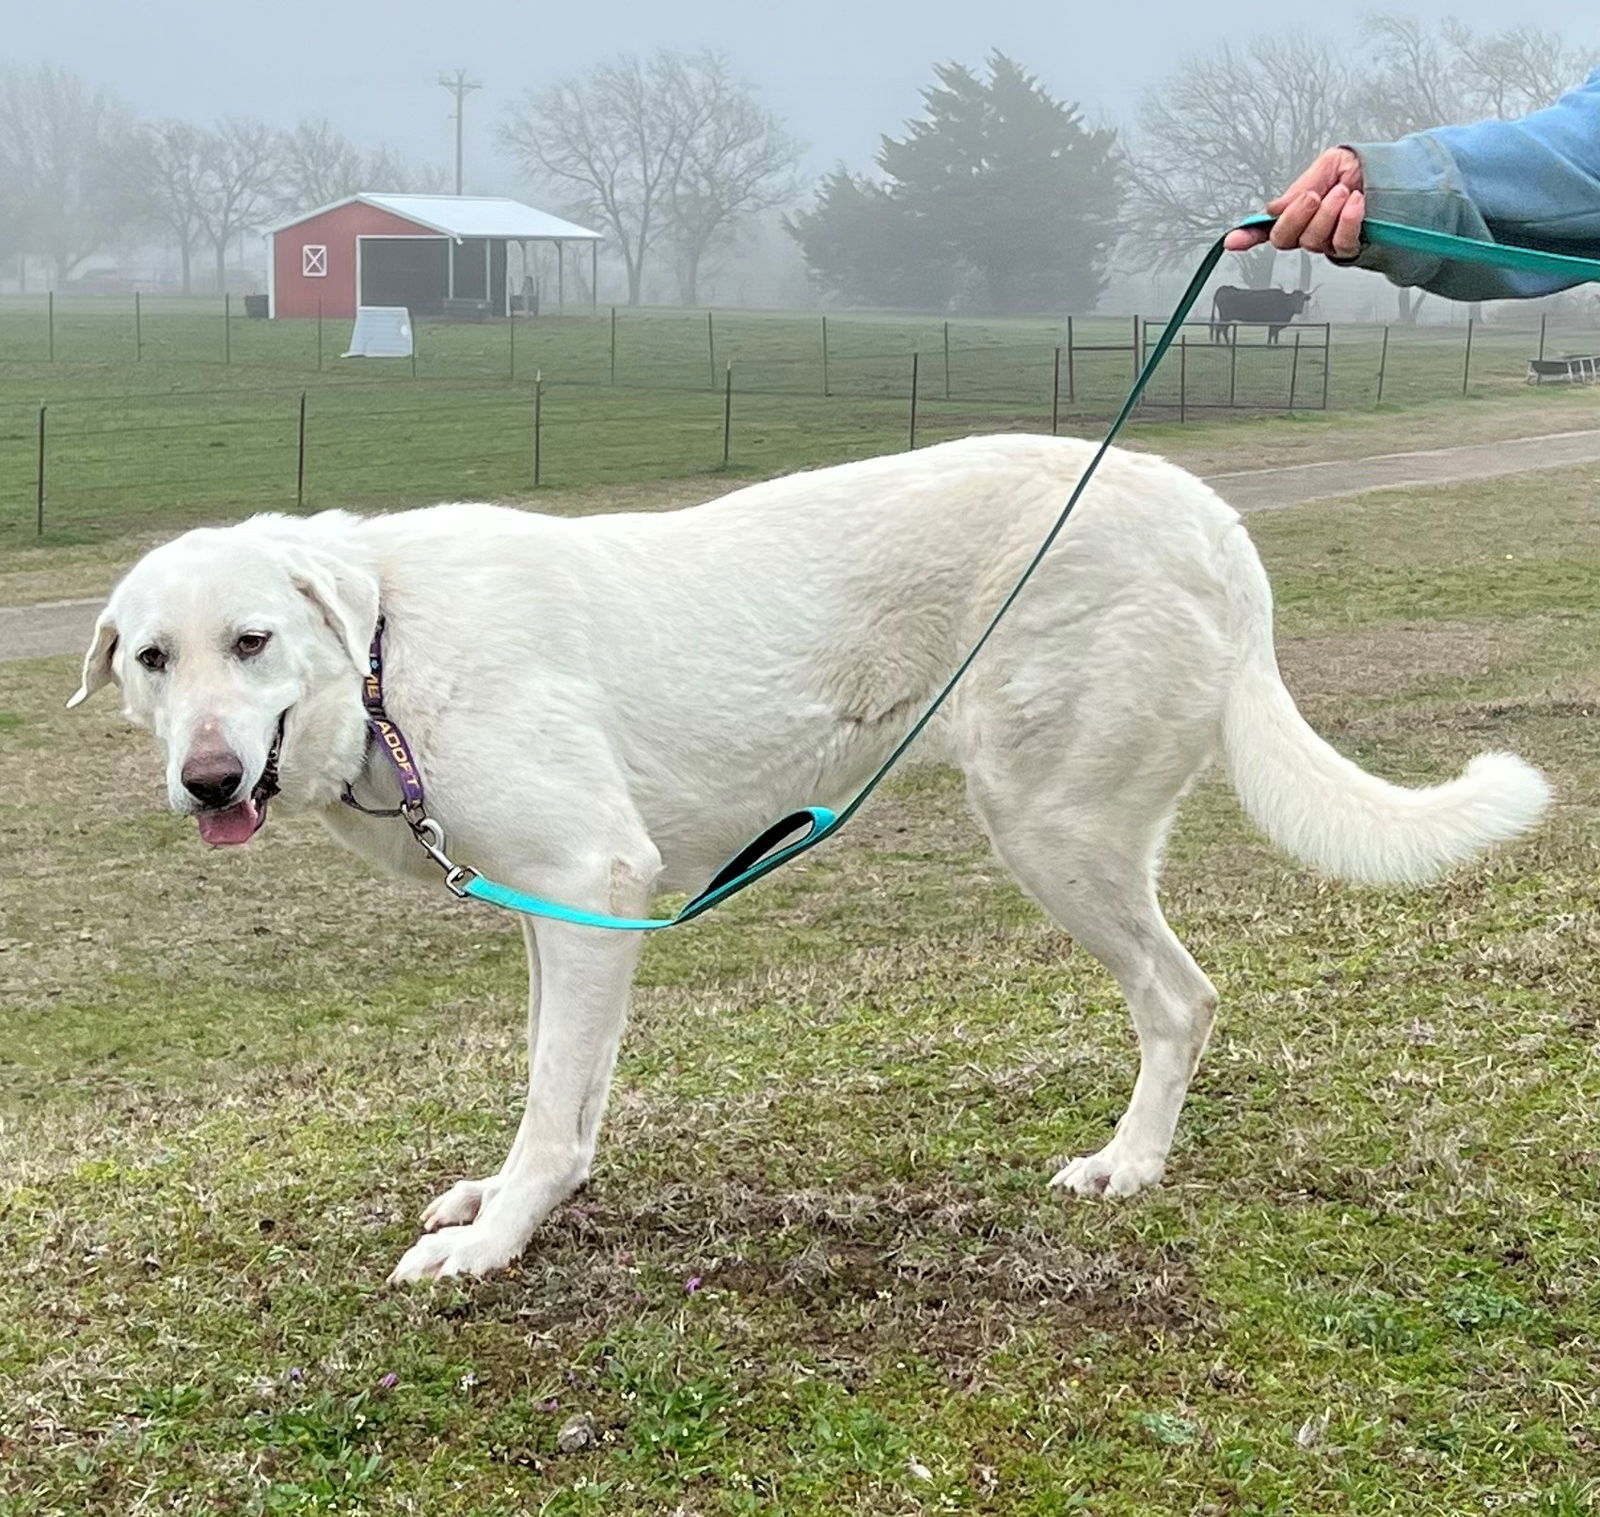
(913, 442)
(300, 463)
(39, 491)
(538, 422)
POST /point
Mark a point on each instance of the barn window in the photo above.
(314, 261)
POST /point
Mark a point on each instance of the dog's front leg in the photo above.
(576, 1014)
(466, 1198)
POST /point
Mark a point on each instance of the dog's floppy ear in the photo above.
(344, 594)
(97, 661)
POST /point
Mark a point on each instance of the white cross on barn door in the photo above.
(314, 261)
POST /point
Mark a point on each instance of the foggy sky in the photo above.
(839, 73)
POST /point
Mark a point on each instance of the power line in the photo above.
(460, 87)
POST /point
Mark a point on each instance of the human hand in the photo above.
(1321, 211)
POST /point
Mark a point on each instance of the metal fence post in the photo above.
(947, 360)
(1233, 370)
(538, 420)
(1544, 316)
(138, 328)
(825, 390)
(51, 320)
(511, 339)
(711, 349)
(727, 415)
(1137, 356)
(1055, 397)
(319, 335)
(1383, 363)
(613, 344)
(300, 458)
(1466, 366)
(1327, 359)
(1183, 377)
(1294, 369)
(1072, 378)
(913, 441)
(227, 326)
(39, 492)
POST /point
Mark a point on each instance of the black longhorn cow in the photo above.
(1274, 309)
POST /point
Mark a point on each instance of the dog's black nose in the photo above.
(213, 779)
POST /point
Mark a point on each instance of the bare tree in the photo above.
(1425, 79)
(1429, 78)
(64, 164)
(239, 170)
(172, 157)
(611, 144)
(667, 147)
(736, 162)
(318, 166)
(1224, 135)
(1413, 85)
(1508, 74)
(384, 169)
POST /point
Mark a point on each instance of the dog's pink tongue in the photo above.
(231, 825)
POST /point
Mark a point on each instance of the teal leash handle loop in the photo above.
(744, 868)
(762, 854)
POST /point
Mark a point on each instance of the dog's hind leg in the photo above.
(1085, 841)
(575, 1025)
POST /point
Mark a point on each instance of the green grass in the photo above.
(817, 1271)
(170, 434)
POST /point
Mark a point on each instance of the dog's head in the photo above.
(224, 639)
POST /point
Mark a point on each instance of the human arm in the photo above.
(1533, 182)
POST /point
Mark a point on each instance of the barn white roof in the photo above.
(465, 216)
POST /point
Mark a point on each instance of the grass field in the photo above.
(817, 1271)
(164, 432)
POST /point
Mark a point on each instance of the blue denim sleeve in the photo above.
(1535, 182)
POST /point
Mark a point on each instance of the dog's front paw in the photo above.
(1113, 1171)
(474, 1250)
(460, 1204)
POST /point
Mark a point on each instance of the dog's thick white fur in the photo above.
(609, 707)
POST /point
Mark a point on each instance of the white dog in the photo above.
(609, 707)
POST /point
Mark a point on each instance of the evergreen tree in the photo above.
(998, 198)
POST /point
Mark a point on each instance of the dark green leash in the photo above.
(802, 830)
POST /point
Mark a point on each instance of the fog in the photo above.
(837, 76)
(839, 73)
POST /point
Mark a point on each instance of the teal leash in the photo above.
(804, 829)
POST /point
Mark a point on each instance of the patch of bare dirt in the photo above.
(1402, 659)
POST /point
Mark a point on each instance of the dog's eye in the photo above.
(248, 644)
(153, 658)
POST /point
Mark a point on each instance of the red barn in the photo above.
(417, 251)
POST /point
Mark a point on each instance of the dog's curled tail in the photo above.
(1328, 812)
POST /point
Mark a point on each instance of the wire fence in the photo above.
(118, 415)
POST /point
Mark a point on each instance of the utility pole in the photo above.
(460, 87)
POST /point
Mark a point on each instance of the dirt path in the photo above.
(1271, 489)
(63, 626)
(57, 626)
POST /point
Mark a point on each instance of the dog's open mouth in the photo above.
(229, 826)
